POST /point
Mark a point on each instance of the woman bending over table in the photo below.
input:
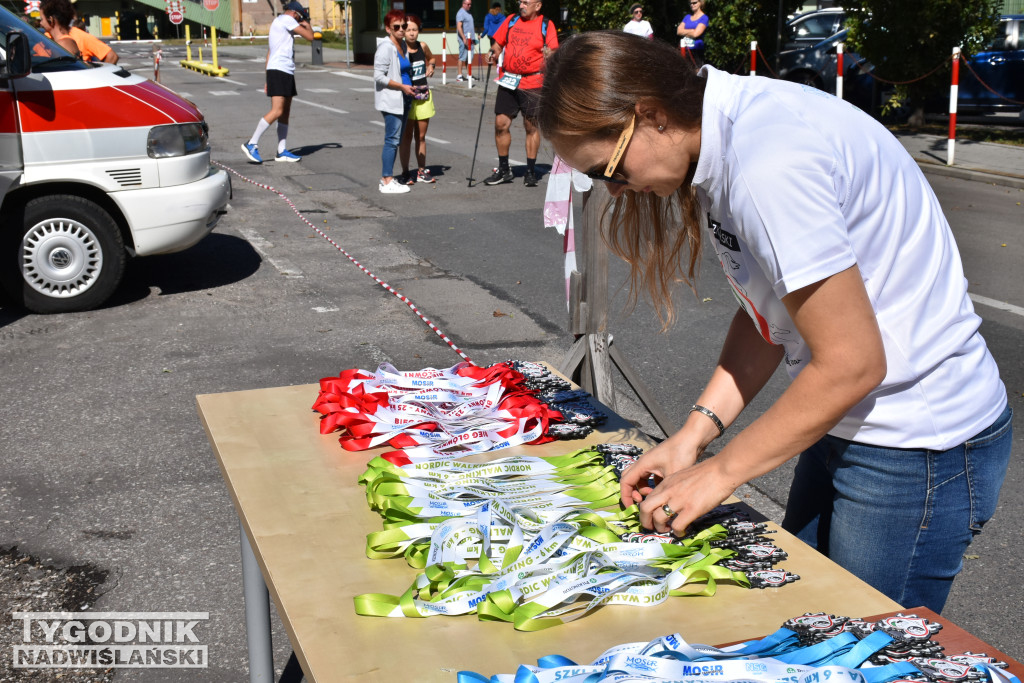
(844, 268)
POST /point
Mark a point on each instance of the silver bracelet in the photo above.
(714, 418)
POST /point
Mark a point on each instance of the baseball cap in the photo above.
(295, 6)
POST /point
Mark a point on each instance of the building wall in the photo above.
(117, 19)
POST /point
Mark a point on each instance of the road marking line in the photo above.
(994, 303)
(322, 106)
(263, 248)
(359, 76)
(429, 137)
(223, 93)
(228, 80)
(362, 89)
(323, 90)
(326, 309)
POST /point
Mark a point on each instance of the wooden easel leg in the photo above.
(598, 347)
(573, 357)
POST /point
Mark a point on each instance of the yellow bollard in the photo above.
(200, 54)
(188, 45)
(117, 23)
(213, 34)
(137, 35)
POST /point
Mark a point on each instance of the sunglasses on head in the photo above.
(620, 148)
(638, 11)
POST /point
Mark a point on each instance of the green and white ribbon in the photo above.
(523, 540)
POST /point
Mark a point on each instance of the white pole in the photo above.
(444, 50)
(840, 68)
(954, 91)
(348, 41)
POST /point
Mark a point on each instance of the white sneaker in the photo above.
(394, 187)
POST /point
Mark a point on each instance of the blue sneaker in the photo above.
(287, 156)
(252, 152)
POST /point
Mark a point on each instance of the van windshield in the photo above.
(46, 54)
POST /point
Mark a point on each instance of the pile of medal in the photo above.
(525, 540)
(579, 414)
(911, 642)
(756, 556)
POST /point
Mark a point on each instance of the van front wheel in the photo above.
(70, 256)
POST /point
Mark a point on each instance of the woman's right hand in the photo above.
(660, 462)
(406, 90)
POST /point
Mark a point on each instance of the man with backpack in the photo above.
(526, 39)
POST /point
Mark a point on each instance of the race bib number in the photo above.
(510, 81)
(688, 41)
(419, 70)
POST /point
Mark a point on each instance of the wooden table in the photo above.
(305, 520)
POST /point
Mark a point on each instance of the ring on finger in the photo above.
(667, 510)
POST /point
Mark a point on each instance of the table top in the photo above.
(296, 495)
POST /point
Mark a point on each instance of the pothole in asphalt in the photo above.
(28, 584)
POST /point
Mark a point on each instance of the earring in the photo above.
(661, 129)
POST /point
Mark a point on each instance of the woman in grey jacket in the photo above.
(392, 76)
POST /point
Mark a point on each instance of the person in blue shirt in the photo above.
(692, 33)
(492, 21)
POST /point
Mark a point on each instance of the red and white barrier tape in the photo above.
(361, 267)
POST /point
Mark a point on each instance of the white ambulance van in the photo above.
(96, 165)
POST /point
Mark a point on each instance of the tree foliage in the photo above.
(733, 23)
(907, 39)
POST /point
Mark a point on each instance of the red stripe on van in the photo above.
(121, 107)
(168, 100)
(8, 122)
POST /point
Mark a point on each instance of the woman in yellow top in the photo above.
(422, 110)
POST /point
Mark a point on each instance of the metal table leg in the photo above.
(257, 616)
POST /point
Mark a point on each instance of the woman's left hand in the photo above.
(430, 70)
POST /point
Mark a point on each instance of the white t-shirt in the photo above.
(639, 28)
(799, 185)
(281, 42)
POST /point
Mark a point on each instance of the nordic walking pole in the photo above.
(483, 105)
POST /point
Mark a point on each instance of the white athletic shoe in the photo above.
(394, 187)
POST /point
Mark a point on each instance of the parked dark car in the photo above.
(1001, 66)
(810, 28)
(814, 64)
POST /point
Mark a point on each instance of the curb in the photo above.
(978, 175)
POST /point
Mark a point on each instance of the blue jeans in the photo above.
(394, 127)
(900, 519)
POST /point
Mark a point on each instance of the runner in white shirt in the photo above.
(280, 86)
(837, 251)
(637, 25)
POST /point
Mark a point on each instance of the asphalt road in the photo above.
(104, 459)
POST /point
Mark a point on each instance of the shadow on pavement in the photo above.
(216, 261)
(307, 150)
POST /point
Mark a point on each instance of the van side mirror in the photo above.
(19, 56)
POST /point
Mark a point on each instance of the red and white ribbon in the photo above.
(432, 414)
